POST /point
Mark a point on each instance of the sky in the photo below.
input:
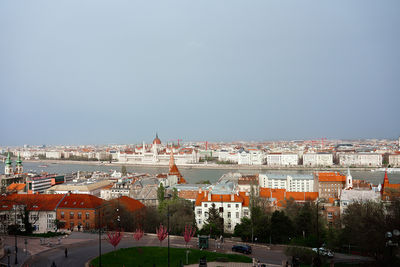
(103, 72)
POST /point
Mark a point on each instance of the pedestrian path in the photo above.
(230, 264)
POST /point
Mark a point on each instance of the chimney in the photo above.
(199, 190)
(209, 196)
(232, 197)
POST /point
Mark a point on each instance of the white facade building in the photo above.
(394, 160)
(251, 157)
(350, 196)
(232, 207)
(282, 159)
(360, 159)
(229, 156)
(53, 154)
(292, 183)
(317, 159)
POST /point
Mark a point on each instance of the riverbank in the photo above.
(202, 166)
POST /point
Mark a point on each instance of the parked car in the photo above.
(324, 252)
(242, 249)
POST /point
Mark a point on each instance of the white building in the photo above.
(251, 157)
(282, 159)
(360, 159)
(156, 153)
(350, 196)
(317, 159)
(292, 183)
(394, 160)
(228, 156)
(41, 211)
(53, 154)
(232, 207)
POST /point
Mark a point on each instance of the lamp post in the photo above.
(99, 222)
(168, 230)
(15, 235)
(8, 256)
(318, 262)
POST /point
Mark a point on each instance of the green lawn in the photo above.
(147, 256)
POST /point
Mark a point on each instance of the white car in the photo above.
(324, 252)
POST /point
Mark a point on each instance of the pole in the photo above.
(318, 258)
(15, 235)
(168, 230)
(99, 240)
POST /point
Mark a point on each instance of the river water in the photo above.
(192, 175)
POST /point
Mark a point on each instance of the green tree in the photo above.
(161, 194)
(214, 224)
(123, 170)
(281, 227)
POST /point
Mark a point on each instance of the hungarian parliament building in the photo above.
(157, 153)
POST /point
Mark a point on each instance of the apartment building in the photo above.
(317, 159)
(291, 183)
(360, 159)
(282, 159)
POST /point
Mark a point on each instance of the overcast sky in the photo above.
(87, 72)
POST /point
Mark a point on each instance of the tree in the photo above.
(138, 234)
(243, 229)
(114, 238)
(162, 233)
(281, 227)
(123, 170)
(214, 224)
(160, 193)
(189, 233)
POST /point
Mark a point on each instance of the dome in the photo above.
(156, 140)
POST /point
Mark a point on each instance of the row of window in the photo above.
(229, 205)
(71, 215)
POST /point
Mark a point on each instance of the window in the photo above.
(206, 214)
(199, 221)
(62, 215)
(246, 213)
(79, 215)
(229, 214)
(237, 206)
(229, 225)
(205, 205)
(330, 215)
(87, 215)
(71, 215)
(237, 215)
(229, 205)
(199, 212)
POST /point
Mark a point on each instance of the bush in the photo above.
(305, 255)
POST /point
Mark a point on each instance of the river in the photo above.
(192, 175)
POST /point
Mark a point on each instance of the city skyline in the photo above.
(117, 73)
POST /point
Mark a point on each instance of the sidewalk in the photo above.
(35, 245)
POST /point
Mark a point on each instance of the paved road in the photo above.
(80, 253)
(83, 247)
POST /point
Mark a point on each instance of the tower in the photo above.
(19, 168)
(349, 180)
(8, 170)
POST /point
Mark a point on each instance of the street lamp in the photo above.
(318, 262)
(390, 243)
(99, 222)
(15, 234)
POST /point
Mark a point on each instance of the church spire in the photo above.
(349, 180)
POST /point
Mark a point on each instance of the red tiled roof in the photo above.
(33, 202)
(130, 204)
(188, 194)
(80, 201)
(16, 187)
(331, 177)
(281, 195)
(203, 197)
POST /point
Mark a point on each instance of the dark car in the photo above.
(242, 249)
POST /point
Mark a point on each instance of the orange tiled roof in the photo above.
(37, 202)
(331, 177)
(130, 204)
(203, 197)
(188, 194)
(281, 194)
(16, 187)
(80, 201)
